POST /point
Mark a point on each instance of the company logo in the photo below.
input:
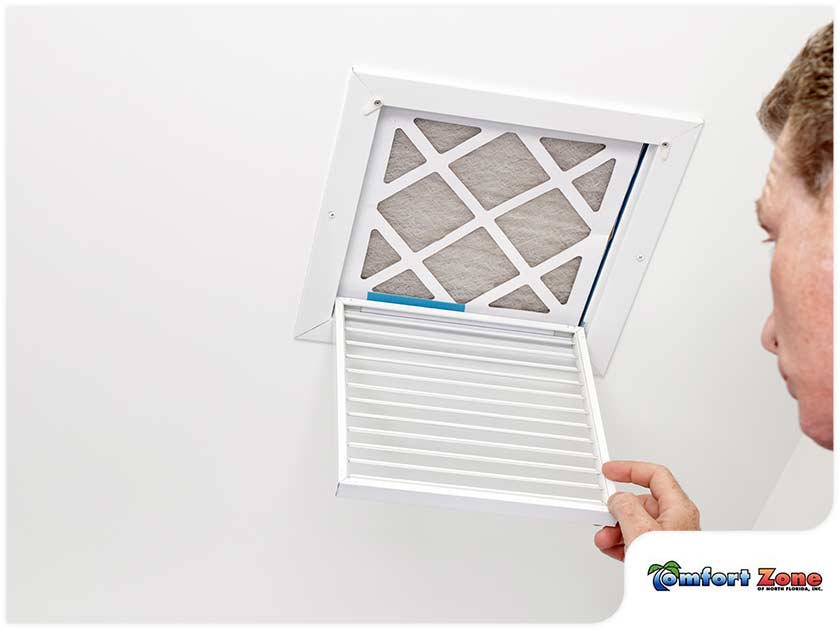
(670, 574)
(772, 580)
(658, 570)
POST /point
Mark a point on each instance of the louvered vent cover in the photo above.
(465, 410)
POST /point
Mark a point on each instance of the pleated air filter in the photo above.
(495, 217)
(470, 242)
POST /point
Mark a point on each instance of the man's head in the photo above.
(796, 210)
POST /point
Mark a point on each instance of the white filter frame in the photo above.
(483, 329)
(671, 143)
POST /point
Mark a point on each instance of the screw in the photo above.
(640, 257)
(377, 102)
(666, 144)
(331, 215)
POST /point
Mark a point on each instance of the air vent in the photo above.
(466, 240)
(468, 410)
(500, 204)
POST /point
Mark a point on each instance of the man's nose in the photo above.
(768, 335)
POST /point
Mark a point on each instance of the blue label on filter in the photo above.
(401, 299)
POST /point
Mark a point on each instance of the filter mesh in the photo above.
(404, 157)
(406, 283)
(561, 280)
(471, 266)
(445, 136)
(380, 255)
(569, 153)
(543, 227)
(425, 211)
(499, 170)
(521, 299)
(593, 185)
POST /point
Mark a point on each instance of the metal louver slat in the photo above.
(473, 411)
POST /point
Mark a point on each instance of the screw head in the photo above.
(377, 102)
(640, 257)
(331, 215)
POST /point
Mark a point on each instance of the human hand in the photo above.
(666, 508)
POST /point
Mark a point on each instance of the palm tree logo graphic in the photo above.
(659, 570)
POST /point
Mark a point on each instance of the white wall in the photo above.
(171, 447)
(802, 497)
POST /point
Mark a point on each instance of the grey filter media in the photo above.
(406, 283)
(522, 299)
(404, 157)
(543, 227)
(561, 280)
(380, 255)
(445, 136)
(471, 266)
(593, 185)
(499, 170)
(427, 210)
(570, 153)
(424, 212)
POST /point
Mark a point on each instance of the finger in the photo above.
(650, 504)
(662, 484)
(616, 553)
(630, 512)
(608, 536)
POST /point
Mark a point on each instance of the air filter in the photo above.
(497, 217)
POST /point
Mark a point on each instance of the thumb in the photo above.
(630, 512)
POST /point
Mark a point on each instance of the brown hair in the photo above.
(803, 99)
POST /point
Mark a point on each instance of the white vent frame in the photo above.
(507, 430)
(671, 142)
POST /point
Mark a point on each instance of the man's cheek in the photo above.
(786, 293)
